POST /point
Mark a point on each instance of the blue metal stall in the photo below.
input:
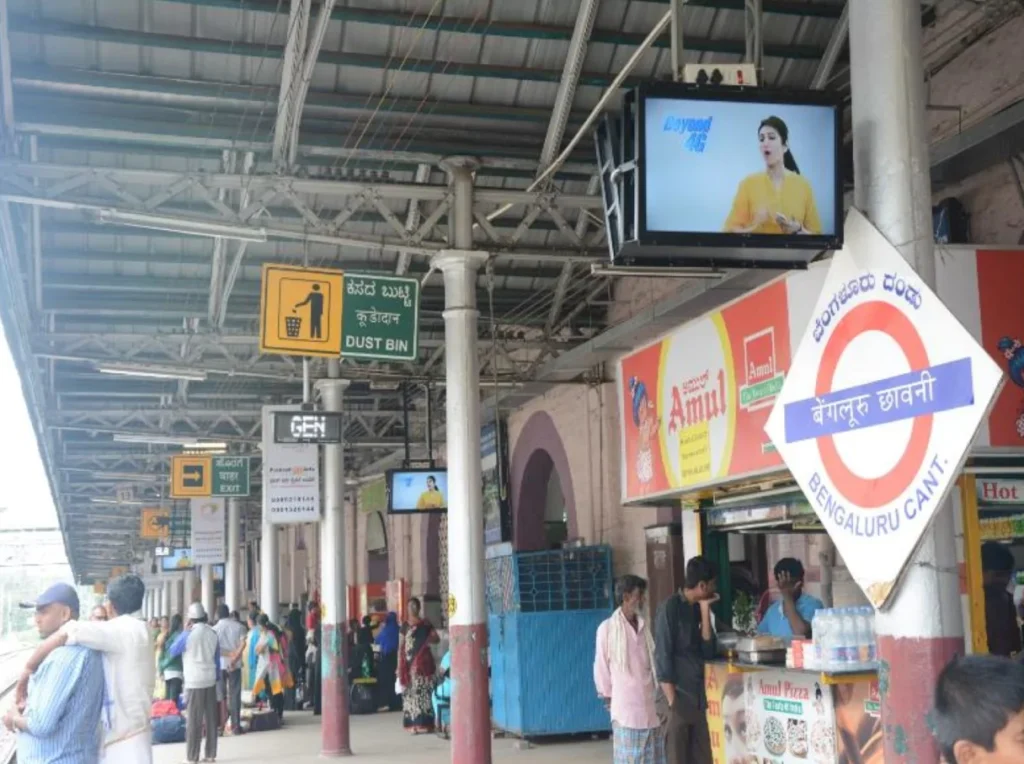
(543, 612)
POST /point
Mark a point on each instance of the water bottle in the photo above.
(831, 642)
(813, 660)
(866, 636)
(848, 640)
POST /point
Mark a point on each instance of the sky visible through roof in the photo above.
(25, 499)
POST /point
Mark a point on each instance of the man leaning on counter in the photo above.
(791, 615)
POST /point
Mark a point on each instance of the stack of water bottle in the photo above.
(844, 640)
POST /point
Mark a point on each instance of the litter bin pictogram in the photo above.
(292, 325)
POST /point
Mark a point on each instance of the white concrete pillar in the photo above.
(334, 681)
(189, 585)
(177, 595)
(233, 568)
(270, 560)
(209, 600)
(922, 629)
(165, 598)
(471, 726)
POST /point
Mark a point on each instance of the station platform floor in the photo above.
(378, 738)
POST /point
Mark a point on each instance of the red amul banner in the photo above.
(694, 404)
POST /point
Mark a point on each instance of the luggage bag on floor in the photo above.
(168, 729)
(363, 697)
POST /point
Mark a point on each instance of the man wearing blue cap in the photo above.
(61, 721)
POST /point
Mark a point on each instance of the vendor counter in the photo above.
(768, 714)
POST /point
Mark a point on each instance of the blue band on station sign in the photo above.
(943, 387)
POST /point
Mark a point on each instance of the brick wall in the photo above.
(586, 420)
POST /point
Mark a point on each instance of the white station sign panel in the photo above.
(880, 406)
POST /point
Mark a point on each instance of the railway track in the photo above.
(11, 663)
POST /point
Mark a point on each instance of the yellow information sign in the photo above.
(300, 311)
(191, 476)
(156, 524)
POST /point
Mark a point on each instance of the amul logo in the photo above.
(762, 380)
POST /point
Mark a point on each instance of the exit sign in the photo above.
(230, 476)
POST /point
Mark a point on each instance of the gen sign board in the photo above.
(880, 406)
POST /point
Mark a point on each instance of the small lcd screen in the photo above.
(412, 491)
(181, 559)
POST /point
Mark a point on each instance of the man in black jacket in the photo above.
(683, 640)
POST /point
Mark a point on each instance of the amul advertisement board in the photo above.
(693, 404)
(774, 716)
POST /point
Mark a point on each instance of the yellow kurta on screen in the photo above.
(794, 199)
(431, 500)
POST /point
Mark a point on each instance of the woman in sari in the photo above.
(161, 643)
(249, 658)
(280, 660)
(416, 670)
(267, 681)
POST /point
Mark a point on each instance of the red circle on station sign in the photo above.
(872, 493)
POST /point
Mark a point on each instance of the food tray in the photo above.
(761, 656)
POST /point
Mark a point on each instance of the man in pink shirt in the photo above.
(624, 675)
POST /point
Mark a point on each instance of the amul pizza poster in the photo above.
(770, 717)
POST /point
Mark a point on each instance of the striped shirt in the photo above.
(65, 700)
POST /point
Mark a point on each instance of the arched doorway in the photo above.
(376, 549)
(543, 503)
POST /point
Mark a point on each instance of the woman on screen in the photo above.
(778, 200)
(432, 498)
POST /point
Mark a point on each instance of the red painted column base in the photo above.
(334, 692)
(471, 705)
(907, 672)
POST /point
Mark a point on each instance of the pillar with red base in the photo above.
(470, 710)
(333, 666)
(922, 629)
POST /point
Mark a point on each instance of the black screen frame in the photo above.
(716, 240)
(389, 478)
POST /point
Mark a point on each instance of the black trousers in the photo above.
(314, 684)
(689, 741)
(234, 692)
(277, 704)
(172, 689)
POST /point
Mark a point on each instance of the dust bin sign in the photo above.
(300, 311)
(380, 318)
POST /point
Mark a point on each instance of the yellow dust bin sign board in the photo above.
(300, 311)
(156, 524)
(191, 476)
